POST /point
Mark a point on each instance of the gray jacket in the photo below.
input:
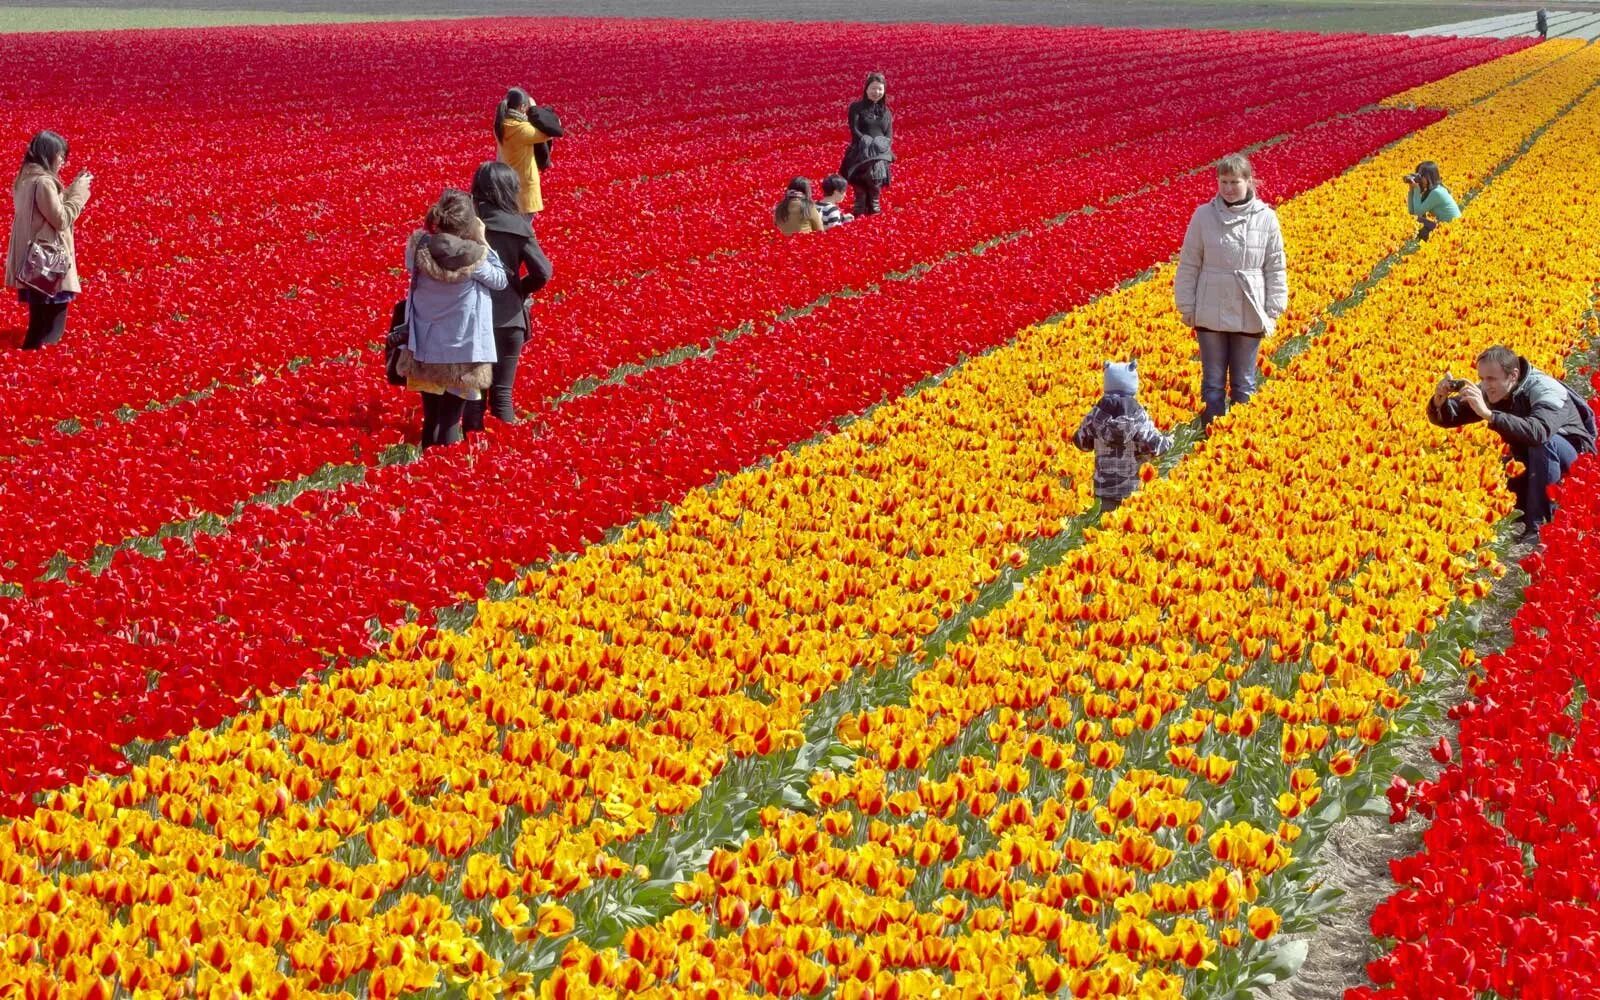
(452, 307)
(1537, 409)
(1122, 437)
(1232, 275)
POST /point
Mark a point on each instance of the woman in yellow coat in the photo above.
(515, 139)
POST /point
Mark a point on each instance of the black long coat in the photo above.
(871, 150)
(512, 240)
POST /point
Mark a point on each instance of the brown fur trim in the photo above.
(477, 375)
(418, 246)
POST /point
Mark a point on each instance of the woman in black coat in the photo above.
(867, 158)
(495, 190)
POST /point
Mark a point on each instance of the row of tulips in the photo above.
(246, 235)
(272, 274)
(187, 695)
(328, 413)
(1459, 90)
(240, 211)
(697, 300)
(135, 651)
(229, 445)
(1100, 793)
(1501, 895)
(506, 763)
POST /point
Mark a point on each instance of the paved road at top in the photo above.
(1283, 14)
(1563, 24)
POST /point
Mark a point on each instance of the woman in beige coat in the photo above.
(1232, 285)
(44, 212)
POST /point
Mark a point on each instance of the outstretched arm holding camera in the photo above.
(1414, 196)
(1543, 424)
(1456, 403)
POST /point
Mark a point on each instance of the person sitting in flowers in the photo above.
(797, 213)
(1121, 434)
(1429, 200)
(833, 189)
(1543, 422)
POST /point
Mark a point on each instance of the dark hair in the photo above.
(833, 184)
(43, 149)
(872, 78)
(798, 194)
(516, 99)
(1428, 173)
(452, 214)
(1502, 356)
(496, 185)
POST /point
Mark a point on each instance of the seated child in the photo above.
(833, 189)
(1121, 434)
(797, 213)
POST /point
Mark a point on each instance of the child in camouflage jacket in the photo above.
(1121, 435)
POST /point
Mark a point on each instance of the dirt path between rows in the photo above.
(1356, 855)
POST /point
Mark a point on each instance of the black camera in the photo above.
(1455, 384)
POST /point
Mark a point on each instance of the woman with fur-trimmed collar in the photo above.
(450, 349)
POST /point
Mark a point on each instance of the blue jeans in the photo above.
(1544, 465)
(1227, 370)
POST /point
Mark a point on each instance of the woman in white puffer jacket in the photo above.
(1232, 285)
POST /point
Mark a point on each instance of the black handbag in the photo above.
(395, 342)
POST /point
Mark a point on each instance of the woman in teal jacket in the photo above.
(1427, 196)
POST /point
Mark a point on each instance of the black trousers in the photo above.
(441, 419)
(508, 343)
(46, 324)
(865, 198)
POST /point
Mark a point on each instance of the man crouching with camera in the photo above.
(1543, 422)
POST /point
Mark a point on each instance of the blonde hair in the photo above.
(1235, 165)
